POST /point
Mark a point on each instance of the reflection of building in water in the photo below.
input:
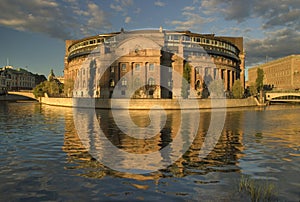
(142, 53)
(226, 153)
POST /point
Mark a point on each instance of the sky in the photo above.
(33, 32)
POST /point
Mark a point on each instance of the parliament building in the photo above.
(101, 64)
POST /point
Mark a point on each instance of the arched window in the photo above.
(198, 84)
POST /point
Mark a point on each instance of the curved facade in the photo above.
(100, 63)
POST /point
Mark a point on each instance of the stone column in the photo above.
(192, 85)
(230, 79)
(220, 73)
(177, 66)
(225, 79)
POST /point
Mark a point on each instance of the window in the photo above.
(111, 83)
(151, 82)
(151, 67)
(112, 69)
(137, 67)
(124, 82)
(123, 67)
(137, 82)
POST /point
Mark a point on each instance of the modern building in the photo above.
(100, 63)
(282, 74)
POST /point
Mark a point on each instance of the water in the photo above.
(44, 159)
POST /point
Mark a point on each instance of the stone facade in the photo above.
(149, 61)
(15, 79)
(282, 74)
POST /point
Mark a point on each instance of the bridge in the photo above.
(26, 94)
(283, 96)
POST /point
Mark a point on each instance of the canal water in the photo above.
(43, 158)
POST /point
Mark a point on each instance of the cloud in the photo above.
(159, 3)
(137, 10)
(127, 20)
(121, 6)
(272, 13)
(97, 18)
(191, 21)
(188, 8)
(63, 20)
(278, 21)
(117, 8)
(276, 44)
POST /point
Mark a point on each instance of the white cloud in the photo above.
(188, 8)
(117, 8)
(127, 20)
(54, 19)
(276, 44)
(97, 18)
(159, 3)
(126, 2)
(191, 21)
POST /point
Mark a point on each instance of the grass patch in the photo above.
(257, 190)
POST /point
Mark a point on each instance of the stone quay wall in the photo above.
(149, 103)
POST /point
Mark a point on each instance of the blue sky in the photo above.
(32, 32)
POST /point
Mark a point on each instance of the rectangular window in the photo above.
(137, 67)
(151, 67)
(123, 67)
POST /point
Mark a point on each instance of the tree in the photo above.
(237, 89)
(186, 80)
(68, 87)
(252, 89)
(39, 90)
(216, 88)
(259, 79)
(52, 88)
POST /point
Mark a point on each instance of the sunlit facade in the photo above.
(16, 79)
(281, 74)
(208, 56)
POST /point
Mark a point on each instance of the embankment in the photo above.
(149, 103)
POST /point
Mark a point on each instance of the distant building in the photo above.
(61, 79)
(3, 87)
(282, 74)
(18, 79)
(210, 57)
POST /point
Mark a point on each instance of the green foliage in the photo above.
(68, 87)
(259, 79)
(216, 88)
(258, 190)
(252, 89)
(52, 88)
(38, 91)
(186, 80)
(237, 89)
